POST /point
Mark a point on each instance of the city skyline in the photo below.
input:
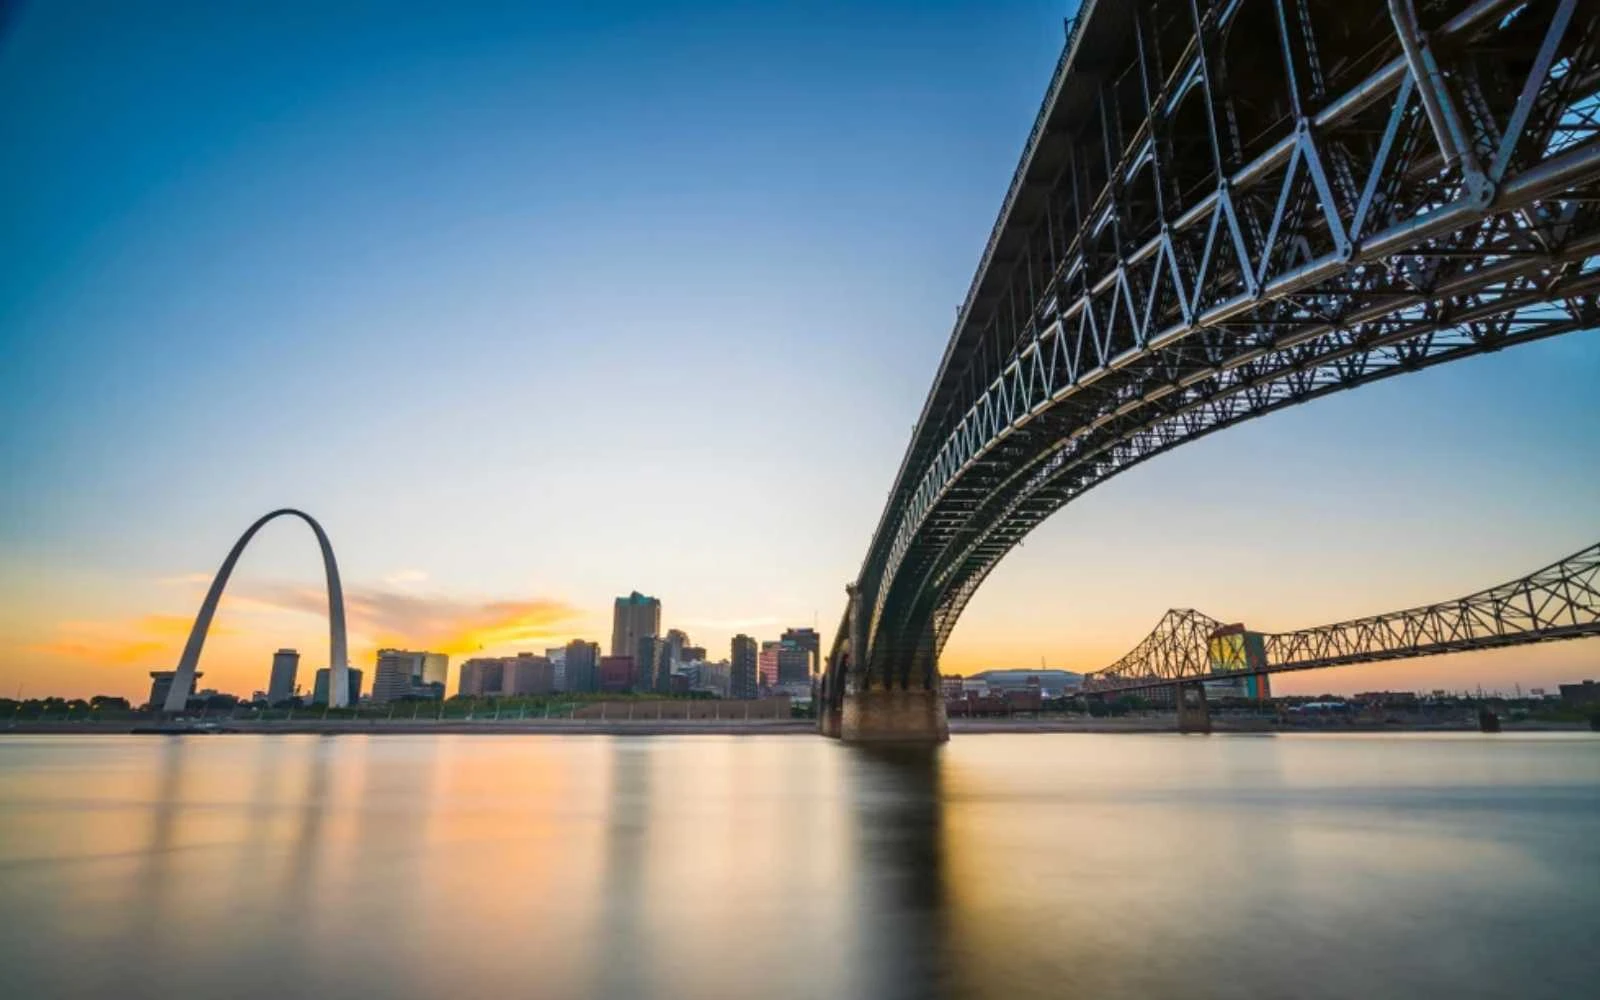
(428, 373)
(802, 642)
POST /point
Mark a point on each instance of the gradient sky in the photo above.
(536, 304)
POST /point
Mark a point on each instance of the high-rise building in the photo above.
(646, 654)
(319, 688)
(505, 676)
(631, 617)
(742, 681)
(558, 666)
(616, 674)
(767, 664)
(693, 654)
(663, 678)
(280, 687)
(529, 674)
(436, 671)
(677, 640)
(710, 677)
(583, 660)
(404, 673)
(799, 656)
(481, 676)
(161, 686)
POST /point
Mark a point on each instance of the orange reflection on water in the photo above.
(1064, 866)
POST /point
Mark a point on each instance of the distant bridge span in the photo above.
(1227, 207)
(1560, 601)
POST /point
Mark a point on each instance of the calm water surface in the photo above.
(1000, 866)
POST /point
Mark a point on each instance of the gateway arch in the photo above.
(338, 659)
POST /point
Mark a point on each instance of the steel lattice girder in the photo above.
(1560, 601)
(1252, 213)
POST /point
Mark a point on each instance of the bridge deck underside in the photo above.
(1228, 208)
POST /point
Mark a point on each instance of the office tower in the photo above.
(693, 654)
(435, 671)
(663, 683)
(742, 668)
(481, 676)
(404, 673)
(767, 665)
(319, 689)
(616, 674)
(646, 652)
(793, 668)
(712, 678)
(469, 678)
(505, 676)
(794, 663)
(676, 641)
(161, 685)
(558, 666)
(583, 659)
(280, 687)
(529, 674)
(392, 677)
(631, 617)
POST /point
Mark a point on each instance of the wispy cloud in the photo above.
(152, 638)
(185, 580)
(379, 616)
(444, 624)
(405, 579)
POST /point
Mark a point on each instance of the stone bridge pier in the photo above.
(1194, 715)
(830, 701)
(858, 705)
(894, 715)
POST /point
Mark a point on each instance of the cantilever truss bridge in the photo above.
(1224, 208)
(1560, 601)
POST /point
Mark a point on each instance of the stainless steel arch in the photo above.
(338, 657)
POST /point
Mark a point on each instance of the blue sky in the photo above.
(549, 304)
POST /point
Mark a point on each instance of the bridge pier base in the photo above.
(828, 721)
(880, 716)
(1195, 716)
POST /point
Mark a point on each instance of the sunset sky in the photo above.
(532, 305)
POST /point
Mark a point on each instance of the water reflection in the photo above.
(146, 912)
(623, 889)
(709, 867)
(898, 820)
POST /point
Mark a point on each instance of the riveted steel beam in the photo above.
(1225, 208)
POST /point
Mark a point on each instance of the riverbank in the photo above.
(1169, 724)
(1155, 723)
(383, 727)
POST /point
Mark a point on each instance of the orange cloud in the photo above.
(443, 624)
(377, 616)
(152, 637)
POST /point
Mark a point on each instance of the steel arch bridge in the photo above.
(1560, 601)
(1227, 207)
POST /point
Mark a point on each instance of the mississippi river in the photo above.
(1093, 866)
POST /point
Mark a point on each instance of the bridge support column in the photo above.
(1194, 716)
(828, 719)
(893, 716)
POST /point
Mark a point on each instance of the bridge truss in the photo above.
(1228, 207)
(1560, 601)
